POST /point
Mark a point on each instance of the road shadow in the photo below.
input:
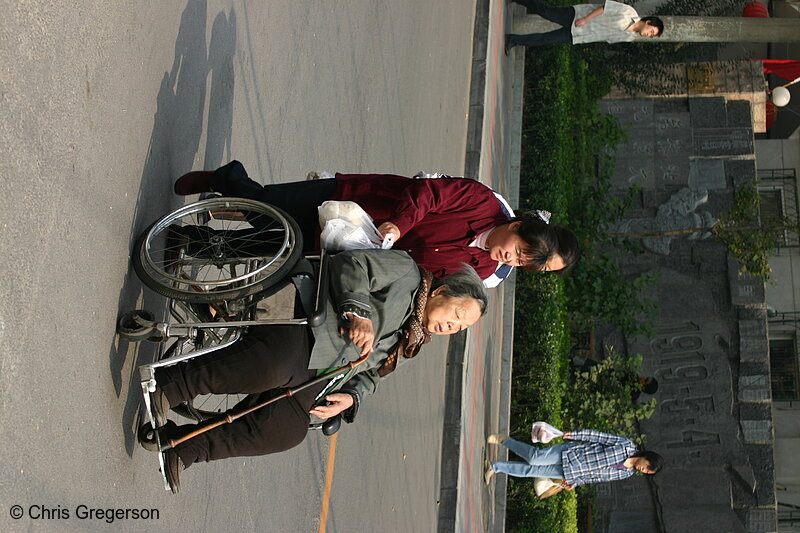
(221, 50)
(174, 143)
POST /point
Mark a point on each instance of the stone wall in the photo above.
(709, 352)
(732, 80)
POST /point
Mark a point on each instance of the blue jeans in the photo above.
(540, 462)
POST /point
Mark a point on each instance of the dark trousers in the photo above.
(298, 199)
(263, 364)
(563, 16)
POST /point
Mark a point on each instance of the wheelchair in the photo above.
(217, 260)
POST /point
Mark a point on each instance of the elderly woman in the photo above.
(379, 303)
(441, 222)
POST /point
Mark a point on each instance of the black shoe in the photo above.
(194, 183)
(173, 466)
(160, 406)
(533, 7)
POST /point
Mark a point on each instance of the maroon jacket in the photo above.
(438, 217)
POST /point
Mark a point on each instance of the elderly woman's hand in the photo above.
(338, 402)
(361, 333)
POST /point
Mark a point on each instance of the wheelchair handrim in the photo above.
(206, 205)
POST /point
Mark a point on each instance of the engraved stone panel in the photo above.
(709, 350)
(671, 105)
(707, 174)
(740, 170)
(739, 113)
(630, 113)
(761, 520)
(631, 493)
(664, 122)
(754, 388)
(604, 491)
(693, 423)
(671, 171)
(630, 171)
(753, 343)
(722, 141)
(708, 112)
(673, 144)
(672, 135)
(640, 143)
(745, 289)
(756, 431)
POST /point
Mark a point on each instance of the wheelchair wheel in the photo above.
(217, 249)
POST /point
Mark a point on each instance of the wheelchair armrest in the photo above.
(317, 318)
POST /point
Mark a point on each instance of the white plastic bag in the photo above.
(544, 487)
(542, 432)
(346, 226)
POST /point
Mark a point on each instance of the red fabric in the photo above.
(772, 113)
(755, 10)
(788, 69)
(438, 218)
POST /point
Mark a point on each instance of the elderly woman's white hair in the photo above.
(466, 283)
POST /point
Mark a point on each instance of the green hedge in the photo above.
(563, 138)
(541, 345)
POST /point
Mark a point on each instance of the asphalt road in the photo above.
(104, 104)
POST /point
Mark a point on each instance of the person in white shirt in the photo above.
(612, 22)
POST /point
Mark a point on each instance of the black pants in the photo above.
(299, 199)
(563, 16)
(265, 362)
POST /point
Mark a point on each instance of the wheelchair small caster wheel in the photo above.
(136, 325)
(146, 436)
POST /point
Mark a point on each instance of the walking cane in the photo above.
(227, 419)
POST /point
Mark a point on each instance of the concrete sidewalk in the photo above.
(478, 375)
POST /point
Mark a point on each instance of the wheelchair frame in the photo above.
(139, 325)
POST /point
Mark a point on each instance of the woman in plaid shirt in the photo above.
(597, 457)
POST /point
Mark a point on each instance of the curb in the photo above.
(509, 293)
(454, 372)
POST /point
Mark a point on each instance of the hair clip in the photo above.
(544, 215)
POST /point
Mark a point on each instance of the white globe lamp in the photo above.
(781, 96)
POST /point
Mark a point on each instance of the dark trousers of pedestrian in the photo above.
(263, 364)
(563, 16)
(299, 199)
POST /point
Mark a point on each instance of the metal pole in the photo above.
(697, 29)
